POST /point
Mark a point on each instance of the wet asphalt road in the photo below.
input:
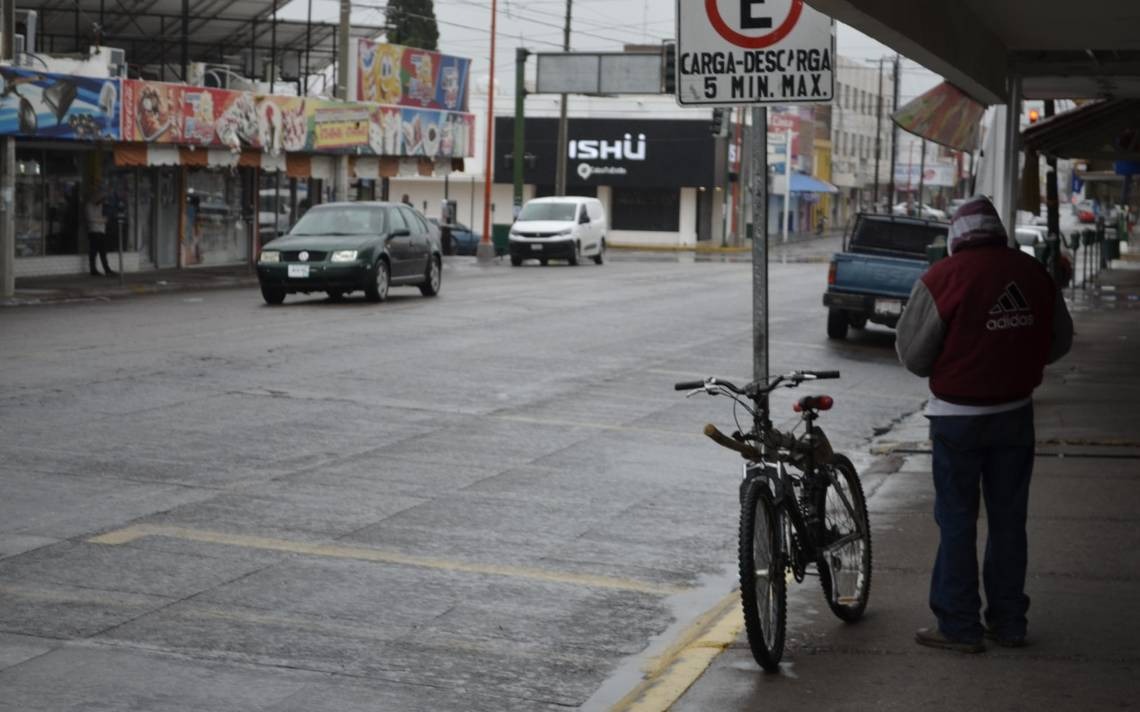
(491, 500)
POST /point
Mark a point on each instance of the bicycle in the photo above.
(802, 504)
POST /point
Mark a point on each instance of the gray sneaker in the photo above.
(1005, 641)
(933, 638)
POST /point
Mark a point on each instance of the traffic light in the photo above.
(719, 122)
(1034, 115)
(669, 71)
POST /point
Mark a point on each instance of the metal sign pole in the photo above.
(759, 175)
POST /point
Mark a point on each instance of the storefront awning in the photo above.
(803, 183)
(1106, 130)
(944, 115)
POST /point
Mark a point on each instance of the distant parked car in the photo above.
(928, 213)
(463, 240)
(1028, 237)
(338, 248)
(1086, 211)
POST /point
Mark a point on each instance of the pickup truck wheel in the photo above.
(836, 324)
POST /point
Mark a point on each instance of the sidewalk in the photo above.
(1084, 568)
(84, 287)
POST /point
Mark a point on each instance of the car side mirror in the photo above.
(400, 232)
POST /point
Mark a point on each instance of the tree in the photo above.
(412, 23)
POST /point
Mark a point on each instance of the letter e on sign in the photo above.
(739, 52)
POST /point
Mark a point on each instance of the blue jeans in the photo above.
(994, 452)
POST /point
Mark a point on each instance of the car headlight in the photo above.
(269, 256)
(344, 256)
(567, 231)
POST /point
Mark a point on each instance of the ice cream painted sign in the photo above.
(392, 74)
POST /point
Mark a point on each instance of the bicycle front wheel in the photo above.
(763, 585)
(845, 541)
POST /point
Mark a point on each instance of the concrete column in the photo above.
(1009, 179)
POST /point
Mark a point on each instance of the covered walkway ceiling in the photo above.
(1060, 48)
(151, 32)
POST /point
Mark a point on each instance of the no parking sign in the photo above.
(734, 52)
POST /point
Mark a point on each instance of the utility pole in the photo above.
(342, 89)
(518, 155)
(921, 176)
(894, 139)
(878, 136)
(485, 252)
(8, 167)
(727, 179)
(787, 179)
(563, 127)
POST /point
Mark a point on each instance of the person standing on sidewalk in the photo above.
(96, 232)
(981, 325)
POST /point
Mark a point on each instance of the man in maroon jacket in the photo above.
(981, 325)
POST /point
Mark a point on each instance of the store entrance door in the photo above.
(166, 217)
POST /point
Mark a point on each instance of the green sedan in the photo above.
(338, 248)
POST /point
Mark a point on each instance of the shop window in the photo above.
(646, 209)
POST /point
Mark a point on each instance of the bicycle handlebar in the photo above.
(688, 385)
(753, 389)
(724, 441)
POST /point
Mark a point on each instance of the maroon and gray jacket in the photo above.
(982, 323)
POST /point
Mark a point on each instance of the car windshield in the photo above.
(341, 220)
(897, 236)
(548, 211)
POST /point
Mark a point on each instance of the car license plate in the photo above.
(299, 271)
(888, 307)
(535, 247)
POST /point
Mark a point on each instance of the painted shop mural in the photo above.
(58, 106)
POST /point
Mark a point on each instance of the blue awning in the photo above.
(803, 183)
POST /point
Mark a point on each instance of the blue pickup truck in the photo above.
(872, 278)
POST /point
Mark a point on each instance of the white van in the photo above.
(566, 227)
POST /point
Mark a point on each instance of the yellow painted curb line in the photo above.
(360, 553)
(674, 671)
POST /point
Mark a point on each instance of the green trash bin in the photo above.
(1112, 248)
(935, 251)
(501, 237)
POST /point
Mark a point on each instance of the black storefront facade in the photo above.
(657, 178)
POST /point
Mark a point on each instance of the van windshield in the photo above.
(549, 211)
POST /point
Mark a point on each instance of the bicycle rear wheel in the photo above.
(845, 561)
(763, 586)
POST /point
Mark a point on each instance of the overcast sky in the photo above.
(464, 28)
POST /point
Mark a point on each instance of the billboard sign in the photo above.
(405, 76)
(58, 106)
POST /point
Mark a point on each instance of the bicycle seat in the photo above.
(813, 403)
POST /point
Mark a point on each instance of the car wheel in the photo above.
(600, 258)
(836, 324)
(335, 295)
(516, 261)
(544, 262)
(433, 278)
(377, 289)
(272, 295)
(576, 255)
